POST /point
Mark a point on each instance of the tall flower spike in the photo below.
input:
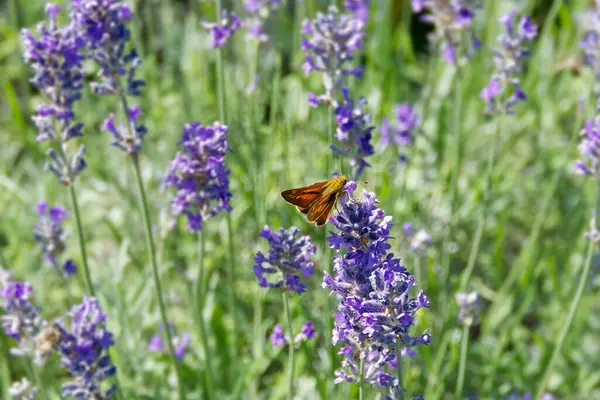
(49, 234)
(591, 40)
(83, 345)
(360, 9)
(589, 148)
(468, 304)
(400, 132)
(23, 390)
(375, 311)
(129, 139)
(103, 25)
(288, 258)
(329, 43)
(419, 241)
(258, 12)
(55, 56)
(504, 88)
(354, 132)
(199, 174)
(180, 343)
(223, 30)
(452, 20)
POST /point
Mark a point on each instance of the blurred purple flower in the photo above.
(504, 87)
(84, 345)
(401, 132)
(221, 31)
(23, 390)
(589, 148)
(55, 56)
(375, 311)
(308, 331)
(199, 174)
(451, 20)
(50, 236)
(419, 241)
(591, 40)
(258, 12)
(329, 43)
(180, 343)
(122, 139)
(360, 9)
(288, 258)
(353, 131)
(277, 337)
(468, 304)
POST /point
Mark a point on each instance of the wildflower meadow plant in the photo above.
(287, 260)
(258, 11)
(375, 310)
(222, 30)
(401, 131)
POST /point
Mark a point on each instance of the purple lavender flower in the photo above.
(354, 132)
(103, 25)
(199, 174)
(84, 345)
(589, 148)
(360, 9)
(451, 20)
(49, 234)
(277, 337)
(419, 241)
(23, 390)
(591, 40)
(401, 132)
(468, 304)
(329, 43)
(128, 140)
(180, 343)
(221, 31)
(504, 87)
(56, 60)
(288, 258)
(258, 13)
(375, 311)
(308, 332)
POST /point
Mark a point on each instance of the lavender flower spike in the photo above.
(278, 337)
(400, 132)
(353, 132)
(49, 234)
(468, 304)
(258, 13)
(589, 148)
(504, 87)
(223, 30)
(329, 43)
(360, 9)
(55, 56)
(288, 258)
(452, 20)
(83, 345)
(591, 41)
(23, 390)
(199, 174)
(375, 311)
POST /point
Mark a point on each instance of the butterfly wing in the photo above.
(319, 212)
(303, 198)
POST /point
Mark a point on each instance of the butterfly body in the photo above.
(316, 201)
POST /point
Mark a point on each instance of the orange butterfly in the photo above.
(316, 200)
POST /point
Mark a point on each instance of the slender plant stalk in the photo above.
(84, 259)
(200, 315)
(462, 364)
(484, 209)
(399, 369)
(574, 304)
(361, 379)
(288, 313)
(36, 379)
(152, 255)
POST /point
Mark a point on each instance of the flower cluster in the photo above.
(180, 344)
(199, 174)
(83, 346)
(353, 131)
(221, 31)
(103, 25)
(23, 390)
(278, 338)
(288, 258)
(55, 56)
(589, 147)
(375, 311)
(49, 234)
(329, 43)
(258, 13)
(360, 9)
(468, 304)
(419, 240)
(128, 139)
(505, 86)
(451, 20)
(401, 132)
(591, 40)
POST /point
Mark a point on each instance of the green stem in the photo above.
(152, 255)
(399, 369)
(84, 259)
(220, 82)
(361, 379)
(231, 280)
(36, 379)
(200, 304)
(288, 314)
(487, 187)
(574, 304)
(464, 345)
